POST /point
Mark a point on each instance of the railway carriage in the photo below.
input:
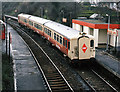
(2, 30)
(23, 19)
(32, 22)
(74, 44)
(37, 24)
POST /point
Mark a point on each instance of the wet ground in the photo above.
(26, 73)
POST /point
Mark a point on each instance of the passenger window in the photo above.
(55, 36)
(39, 27)
(45, 30)
(34, 24)
(63, 42)
(50, 33)
(25, 20)
(66, 44)
(58, 38)
(31, 23)
(92, 43)
(69, 45)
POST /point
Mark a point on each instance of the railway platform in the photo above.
(108, 61)
(27, 76)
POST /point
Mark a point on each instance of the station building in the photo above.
(99, 30)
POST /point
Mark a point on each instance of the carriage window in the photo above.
(55, 36)
(34, 24)
(45, 30)
(60, 40)
(31, 23)
(66, 44)
(40, 27)
(92, 43)
(63, 42)
(69, 45)
(25, 20)
(50, 33)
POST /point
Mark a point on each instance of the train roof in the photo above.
(38, 19)
(63, 30)
(66, 31)
(34, 18)
(12, 17)
(24, 15)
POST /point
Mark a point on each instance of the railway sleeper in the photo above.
(60, 82)
(59, 90)
(60, 87)
(55, 74)
(57, 85)
(57, 80)
(56, 77)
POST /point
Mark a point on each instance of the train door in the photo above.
(84, 47)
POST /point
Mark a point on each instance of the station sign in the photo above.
(112, 32)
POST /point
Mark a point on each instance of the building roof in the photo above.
(96, 24)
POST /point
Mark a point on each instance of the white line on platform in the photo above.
(14, 69)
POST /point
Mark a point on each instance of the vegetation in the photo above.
(7, 74)
(57, 10)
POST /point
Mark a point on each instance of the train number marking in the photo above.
(84, 48)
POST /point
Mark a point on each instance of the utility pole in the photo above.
(107, 30)
(41, 12)
(6, 35)
(62, 15)
(70, 19)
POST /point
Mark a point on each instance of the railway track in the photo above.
(90, 77)
(95, 81)
(54, 79)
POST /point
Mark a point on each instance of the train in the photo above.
(76, 45)
(2, 30)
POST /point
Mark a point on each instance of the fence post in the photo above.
(9, 46)
(6, 36)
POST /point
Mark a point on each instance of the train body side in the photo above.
(73, 44)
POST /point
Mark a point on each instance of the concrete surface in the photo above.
(26, 73)
(109, 62)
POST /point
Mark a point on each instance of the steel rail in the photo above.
(104, 81)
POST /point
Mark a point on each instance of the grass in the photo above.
(7, 74)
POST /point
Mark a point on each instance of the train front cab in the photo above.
(86, 48)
